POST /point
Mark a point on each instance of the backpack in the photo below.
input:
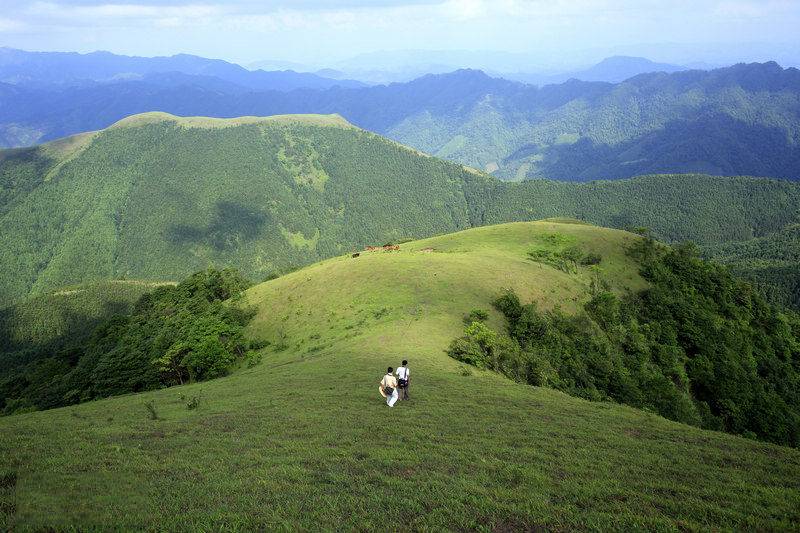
(388, 390)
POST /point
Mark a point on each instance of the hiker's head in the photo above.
(405, 363)
(389, 370)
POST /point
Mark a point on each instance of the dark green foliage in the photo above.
(151, 410)
(771, 263)
(698, 346)
(173, 335)
(476, 315)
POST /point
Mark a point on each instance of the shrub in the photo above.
(476, 315)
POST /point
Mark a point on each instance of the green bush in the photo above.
(476, 315)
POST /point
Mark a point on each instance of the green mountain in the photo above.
(303, 440)
(740, 120)
(156, 197)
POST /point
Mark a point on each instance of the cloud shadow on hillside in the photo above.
(717, 145)
(232, 224)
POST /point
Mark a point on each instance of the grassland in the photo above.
(303, 441)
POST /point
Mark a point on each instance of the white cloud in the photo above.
(100, 12)
(10, 25)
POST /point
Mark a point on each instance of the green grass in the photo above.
(303, 441)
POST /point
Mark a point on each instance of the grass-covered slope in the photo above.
(304, 441)
(159, 197)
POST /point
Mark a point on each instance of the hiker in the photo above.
(402, 381)
(389, 388)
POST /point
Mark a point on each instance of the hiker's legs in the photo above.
(405, 392)
(401, 393)
(392, 399)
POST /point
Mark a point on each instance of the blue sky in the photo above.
(321, 32)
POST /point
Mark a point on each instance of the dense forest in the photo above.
(698, 346)
(170, 335)
(772, 263)
(740, 120)
(158, 197)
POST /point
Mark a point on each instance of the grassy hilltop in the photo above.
(304, 441)
(158, 197)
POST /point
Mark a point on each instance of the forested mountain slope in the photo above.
(771, 262)
(158, 197)
(741, 120)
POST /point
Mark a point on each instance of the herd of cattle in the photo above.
(384, 248)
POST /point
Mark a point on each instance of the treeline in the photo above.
(699, 346)
(172, 335)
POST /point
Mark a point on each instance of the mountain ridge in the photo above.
(740, 120)
(160, 196)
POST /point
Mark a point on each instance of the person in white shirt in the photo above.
(403, 381)
(389, 382)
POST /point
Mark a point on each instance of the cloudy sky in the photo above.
(322, 31)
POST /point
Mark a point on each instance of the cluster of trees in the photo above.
(172, 335)
(699, 346)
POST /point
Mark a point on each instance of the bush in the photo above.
(476, 315)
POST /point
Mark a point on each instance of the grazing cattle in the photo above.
(355, 255)
(385, 248)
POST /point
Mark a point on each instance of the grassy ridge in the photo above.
(304, 441)
(159, 197)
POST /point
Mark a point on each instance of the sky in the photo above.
(323, 32)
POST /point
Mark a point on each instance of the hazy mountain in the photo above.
(612, 69)
(69, 68)
(740, 120)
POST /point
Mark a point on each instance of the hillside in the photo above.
(740, 120)
(49, 322)
(771, 262)
(303, 440)
(158, 197)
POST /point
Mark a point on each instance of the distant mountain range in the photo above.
(403, 66)
(38, 69)
(612, 69)
(739, 120)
